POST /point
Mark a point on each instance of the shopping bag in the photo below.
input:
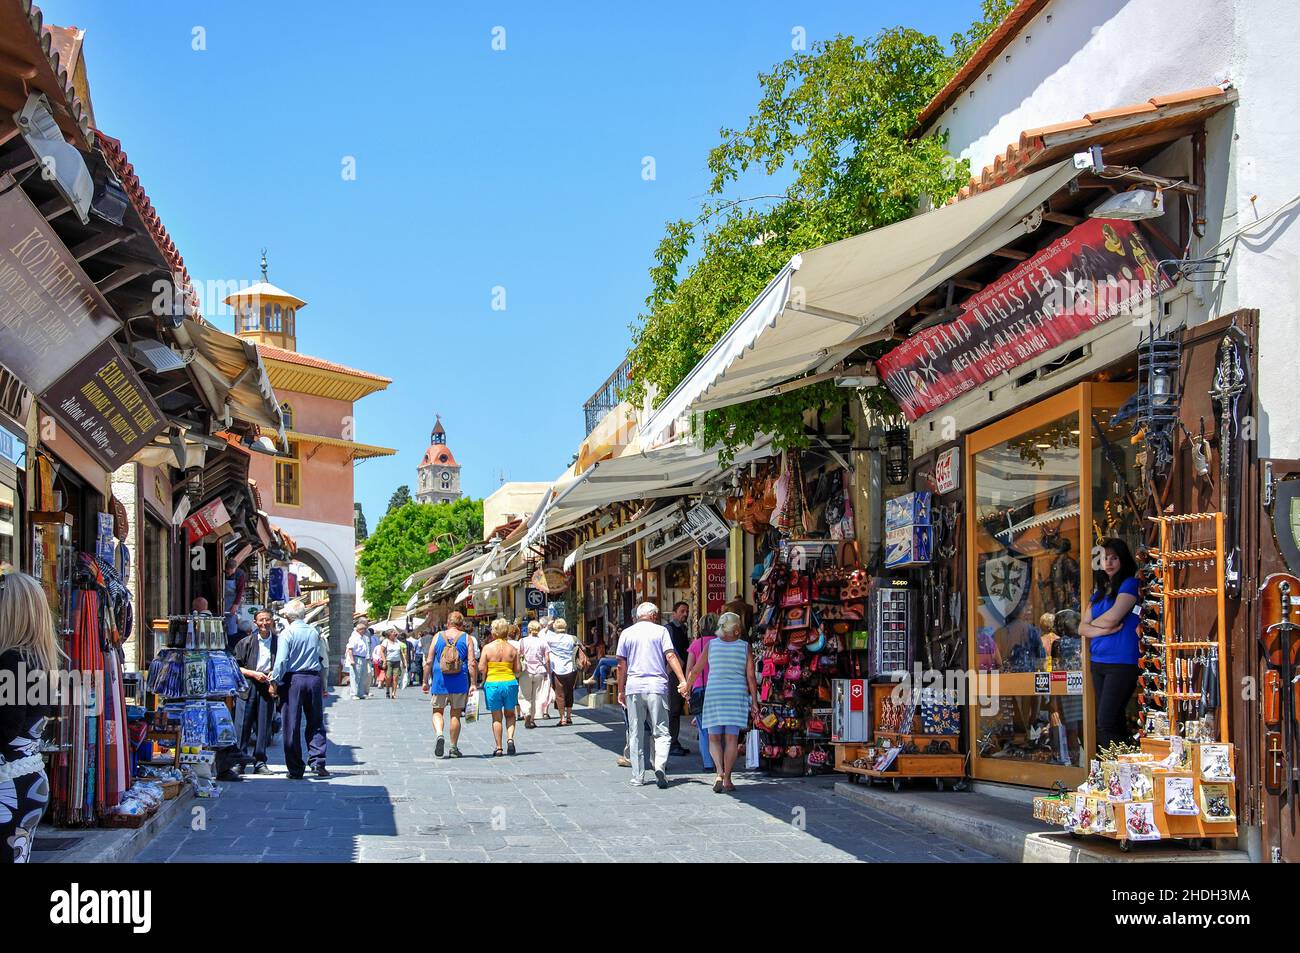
(753, 750)
(471, 707)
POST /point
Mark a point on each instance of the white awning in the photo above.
(625, 534)
(828, 302)
(497, 582)
(438, 570)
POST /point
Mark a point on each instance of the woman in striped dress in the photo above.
(728, 695)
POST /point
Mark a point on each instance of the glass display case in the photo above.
(1046, 484)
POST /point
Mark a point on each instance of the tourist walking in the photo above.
(255, 656)
(450, 675)
(394, 653)
(358, 659)
(536, 674)
(706, 633)
(501, 686)
(681, 639)
(29, 655)
(645, 657)
(299, 684)
(562, 649)
(728, 697)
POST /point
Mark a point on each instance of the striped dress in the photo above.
(726, 696)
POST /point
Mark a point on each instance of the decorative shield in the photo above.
(1004, 584)
(1286, 521)
(550, 581)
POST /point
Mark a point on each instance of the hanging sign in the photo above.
(705, 525)
(103, 404)
(947, 471)
(51, 313)
(1098, 270)
(715, 584)
(549, 581)
(207, 519)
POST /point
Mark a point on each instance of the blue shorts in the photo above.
(724, 729)
(501, 696)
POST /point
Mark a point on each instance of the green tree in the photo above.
(399, 546)
(359, 530)
(401, 496)
(836, 123)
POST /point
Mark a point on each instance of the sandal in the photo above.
(497, 753)
(510, 747)
(729, 787)
(717, 786)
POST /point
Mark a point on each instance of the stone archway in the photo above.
(320, 557)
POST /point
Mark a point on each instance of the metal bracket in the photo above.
(1269, 483)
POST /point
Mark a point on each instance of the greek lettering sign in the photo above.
(105, 407)
(1098, 270)
(51, 313)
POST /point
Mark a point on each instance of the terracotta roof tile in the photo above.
(270, 352)
(1020, 156)
(1118, 112)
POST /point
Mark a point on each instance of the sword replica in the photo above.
(1231, 380)
(1280, 635)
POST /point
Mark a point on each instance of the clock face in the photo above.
(446, 475)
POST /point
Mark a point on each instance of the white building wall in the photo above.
(1081, 56)
(334, 544)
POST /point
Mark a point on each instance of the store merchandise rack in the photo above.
(943, 768)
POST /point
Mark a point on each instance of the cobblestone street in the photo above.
(561, 798)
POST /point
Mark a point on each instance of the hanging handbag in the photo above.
(793, 672)
(796, 591)
(769, 668)
(857, 587)
(816, 725)
(817, 758)
(796, 618)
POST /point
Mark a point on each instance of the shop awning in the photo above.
(627, 533)
(233, 377)
(828, 302)
(497, 582)
(439, 570)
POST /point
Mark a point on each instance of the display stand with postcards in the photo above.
(1180, 782)
(911, 738)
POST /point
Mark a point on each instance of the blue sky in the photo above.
(475, 169)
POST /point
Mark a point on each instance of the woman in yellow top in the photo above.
(501, 687)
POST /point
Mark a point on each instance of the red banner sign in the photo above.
(1096, 271)
(715, 584)
(207, 519)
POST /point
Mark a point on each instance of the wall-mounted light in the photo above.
(897, 454)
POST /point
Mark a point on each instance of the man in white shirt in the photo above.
(255, 654)
(358, 659)
(645, 656)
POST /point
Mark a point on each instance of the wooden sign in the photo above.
(51, 313)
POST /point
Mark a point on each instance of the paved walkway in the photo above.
(561, 798)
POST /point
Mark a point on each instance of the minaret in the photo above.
(438, 473)
(265, 314)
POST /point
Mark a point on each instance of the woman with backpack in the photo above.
(450, 675)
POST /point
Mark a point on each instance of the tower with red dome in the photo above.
(439, 473)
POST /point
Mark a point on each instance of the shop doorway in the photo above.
(1046, 484)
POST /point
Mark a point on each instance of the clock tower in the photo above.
(439, 473)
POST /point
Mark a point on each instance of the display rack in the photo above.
(1181, 783)
(917, 757)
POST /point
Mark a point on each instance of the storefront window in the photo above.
(1047, 483)
(8, 527)
(1027, 592)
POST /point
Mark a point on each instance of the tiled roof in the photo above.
(439, 454)
(125, 172)
(24, 37)
(270, 352)
(1043, 144)
(987, 51)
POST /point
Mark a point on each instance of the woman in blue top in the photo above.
(1110, 624)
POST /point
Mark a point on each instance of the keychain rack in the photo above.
(1176, 560)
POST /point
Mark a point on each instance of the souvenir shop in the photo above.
(812, 601)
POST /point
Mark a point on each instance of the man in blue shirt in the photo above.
(299, 683)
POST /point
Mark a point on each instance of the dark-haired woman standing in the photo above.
(1111, 626)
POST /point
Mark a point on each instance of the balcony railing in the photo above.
(606, 397)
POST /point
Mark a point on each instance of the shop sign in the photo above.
(715, 584)
(207, 519)
(549, 581)
(1074, 683)
(947, 471)
(658, 543)
(8, 446)
(1098, 270)
(1042, 683)
(103, 404)
(51, 313)
(705, 525)
(535, 599)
